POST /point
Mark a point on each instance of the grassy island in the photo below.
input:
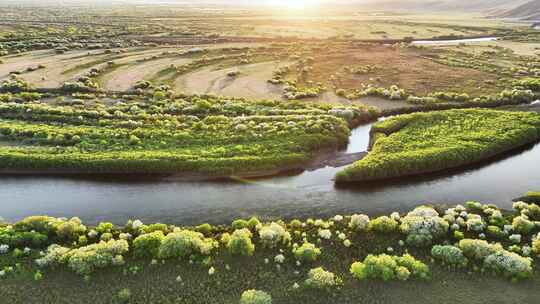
(165, 134)
(429, 142)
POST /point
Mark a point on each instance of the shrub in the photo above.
(156, 227)
(478, 249)
(383, 224)
(239, 224)
(321, 279)
(124, 295)
(522, 224)
(307, 252)
(84, 260)
(255, 297)
(205, 229)
(359, 222)
(449, 255)
(70, 230)
(274, 234)
(184, 243)
(536, 245)
(240, 243)
(147, 245)
(509, 264)
(423, 225)
(495, 232)
(387, 267)
(104, 227)
(41, 224)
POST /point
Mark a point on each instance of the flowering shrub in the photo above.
(475, 223)
(307, 252)
(255, 297)
(273, 234)
(449, 255)
(478, 249)
(184, 243)
(240, 243)
(522, 224)
(388, 267)
(147, 245)
(85, 259)
(10, 237)
(325, 234)
(509, 264)
(359, 222)
(70, 230)
(423, 225)
(383, 224)
(321, 279)
(536, 244)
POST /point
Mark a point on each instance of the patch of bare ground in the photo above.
(410, 69)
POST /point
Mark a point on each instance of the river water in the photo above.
(308, 194)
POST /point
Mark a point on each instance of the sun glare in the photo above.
(295, 4)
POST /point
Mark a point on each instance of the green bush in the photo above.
(148, 244)
(383, 224)
(307, 252)
(449, 255)
(255, 297)
(388, 267)
(319, 278)
(478, 249)
(240, 243)
(184, 243)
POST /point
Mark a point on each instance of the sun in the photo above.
(294, 4)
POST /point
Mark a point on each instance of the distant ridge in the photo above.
(527, 11)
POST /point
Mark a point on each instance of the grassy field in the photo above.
(277, 264)
(429, 142)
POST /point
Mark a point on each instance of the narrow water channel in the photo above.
(308, 194)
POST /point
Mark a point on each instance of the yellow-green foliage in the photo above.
(429, 142)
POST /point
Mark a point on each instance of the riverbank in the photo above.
(211, 267)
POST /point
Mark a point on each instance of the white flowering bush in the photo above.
(320, 278)
(325, 234)
(509, 264)
(423, 225)
(54, 255)
(240, 243)
(274, 234)
(184, 243)
(255, 297)
(475, 223)
(449, 255)
(86, 259)
(478, 249)
(387, 267)
(307, 252)
(4, 248)
(359, 222)
(147, 245)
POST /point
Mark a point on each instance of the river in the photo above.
(308, 194)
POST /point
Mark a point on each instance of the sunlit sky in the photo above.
(294, 4)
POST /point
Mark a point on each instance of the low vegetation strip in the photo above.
(58, 260)
(429, 142)
(167, 134)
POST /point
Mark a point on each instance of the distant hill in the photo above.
(527, 11)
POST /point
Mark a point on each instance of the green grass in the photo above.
(429, 142)
(207, 135)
